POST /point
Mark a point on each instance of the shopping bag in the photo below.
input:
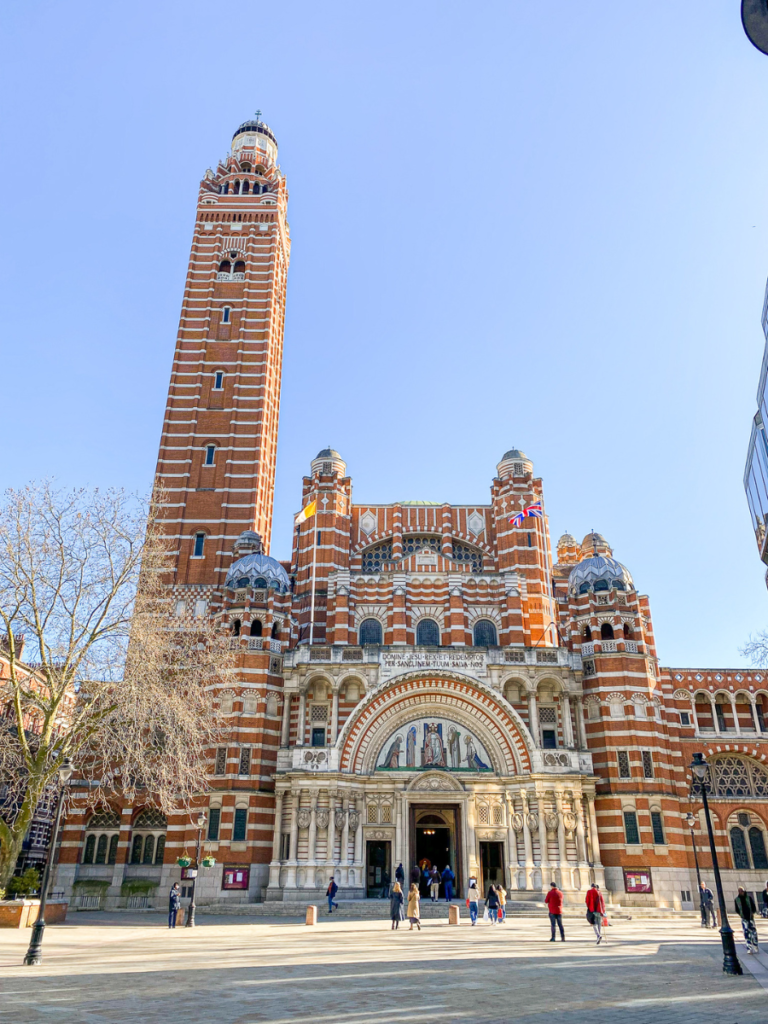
(606, 923)
(486, 915)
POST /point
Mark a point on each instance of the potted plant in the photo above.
(208, 861)
(184, 861)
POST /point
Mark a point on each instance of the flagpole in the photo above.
(545, 531)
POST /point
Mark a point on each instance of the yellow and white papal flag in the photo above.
(306, 513)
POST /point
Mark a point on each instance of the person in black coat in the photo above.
(415, 875)
(174, 904)
(396, 905)
(746, 909)
(492, 904)
(400, 875)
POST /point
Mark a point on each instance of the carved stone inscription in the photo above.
(462, 660)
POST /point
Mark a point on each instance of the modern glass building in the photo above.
(756, 472)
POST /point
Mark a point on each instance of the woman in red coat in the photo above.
(595, 910)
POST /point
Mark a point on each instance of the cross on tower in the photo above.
(258, 116)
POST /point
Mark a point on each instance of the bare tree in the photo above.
(118, 684)
(756, 649)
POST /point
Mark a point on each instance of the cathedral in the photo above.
(419, 683)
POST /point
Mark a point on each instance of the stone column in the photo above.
(511, 840)
(345, 836)
(285, 730)
(472, 838)
(597, 865)
(755, 719)
(735, 713)
(565, 872)
(715, 722)
(542, 839)
(358, 805)
(527, 842)
(399, 853)
(581, 731)
(277, 835)
(565, 710)
(301, 725)
(581, 840)
(335, 714)
(312, 838)
(293, 853)
(533, 718)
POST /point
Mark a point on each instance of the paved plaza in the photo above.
(130, 968)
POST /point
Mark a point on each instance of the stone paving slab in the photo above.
(122, 968)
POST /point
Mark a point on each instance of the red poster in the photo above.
(638, 880)
(235, 878)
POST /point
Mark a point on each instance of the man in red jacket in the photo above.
(595, 910)
(554, 901)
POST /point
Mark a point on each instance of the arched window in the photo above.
(246, 168)
(370, 631)
(256, 627)
(428, 633)
(260, 583)
(275, 630)
(102, 838)
(240, 267)
(757, 845)
(627, 631)
(484, 634)
(237, 187)
(246, 186)
(236, 627)
(618, 584)
(101, 850)
(584, 588)
(149, 850)
(587, 634)
(138, 843)
(601, 585)
(225, 267)
(160, 850)
(225, 313)
(734, 776)
(210, 454)
(218, 380)
(226, 188)
(112, 855)
(199, 545)
(90, 846)
(739, 847)
(606, 631)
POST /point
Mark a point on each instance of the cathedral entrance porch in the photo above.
(492, 866)
(434, 841)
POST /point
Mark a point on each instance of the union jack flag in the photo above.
(530, 511)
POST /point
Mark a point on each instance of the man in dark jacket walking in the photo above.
(746, 909)
(415, 875)
(707, 907)
(400, 874)
(554, 901)
(174, 904)
(448, 879)
(330, 892)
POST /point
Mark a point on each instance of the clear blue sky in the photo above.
(515, 223)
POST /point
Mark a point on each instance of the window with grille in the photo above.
(736, 776)
(625, 772)
(589, 669)
(376, 557)
(498, 816)
(327, 468)
(370, 631)
(245, 761)
(214, 822)
(221, 761)
(373, 814)
(658, 828)
(318, 713)
(151, 818)
(647, 764)
(465, 553)
(238, 829)
(428, 633)
(548, 716)
(483, 815)
(413, 545)
(386, 814)
(631, 831)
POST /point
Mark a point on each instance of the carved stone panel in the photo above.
(533, 821)
(354, 821)
(303, 817)
(517, 821)
(551, 821)
(323, 816)
(338, 819)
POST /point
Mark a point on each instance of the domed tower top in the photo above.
(568, 551)
(514, 463)
(254, 140)
(595, 544)
(329, 461)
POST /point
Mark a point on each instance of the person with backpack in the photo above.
(595, 910)
(473, 896)
(746, 909)
(330, 893)
(554, 901)
(434, 884)
(448, 879)
(396, 906)
(492, 904)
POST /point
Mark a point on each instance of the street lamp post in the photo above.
(35, 951)
(690, 821)
(191, 911)
(731, 965)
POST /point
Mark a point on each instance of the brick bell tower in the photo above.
(219, 440)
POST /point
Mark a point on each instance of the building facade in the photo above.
(756, 471)
(420, 683)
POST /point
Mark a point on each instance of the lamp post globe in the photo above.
(700, 772)
(200, 822)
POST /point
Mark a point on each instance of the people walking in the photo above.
(764, 897)
(501, 892)
(473, 895)
(492, 904)
(385, 881)
(554, 901)
(595, 910)
(330, 893)
(746, 909)
(434, 884)
(400, 875)
(413, 911)
(396, 905)
(448, 879)
(174, 904)
(707, 907)
(416, 875)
